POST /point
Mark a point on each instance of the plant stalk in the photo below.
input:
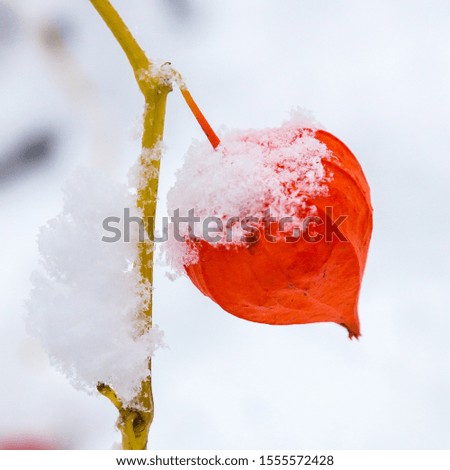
(135, 420)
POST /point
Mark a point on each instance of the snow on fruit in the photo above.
(277, 225)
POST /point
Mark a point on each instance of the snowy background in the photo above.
(377, 75)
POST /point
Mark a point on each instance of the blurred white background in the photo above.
(377, 75)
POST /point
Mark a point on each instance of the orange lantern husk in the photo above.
(285, 283)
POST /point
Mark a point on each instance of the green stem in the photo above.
(135, 420)
(136, 56)
(150, 165)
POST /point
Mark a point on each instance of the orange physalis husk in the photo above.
(303, 282)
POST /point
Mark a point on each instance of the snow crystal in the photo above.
(303, 118)
(87, 296)
(161, 71)
(275, 169)
(144, 170)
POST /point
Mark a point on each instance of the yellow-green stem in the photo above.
(135, 420)
(150, 159)
(136, 56)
